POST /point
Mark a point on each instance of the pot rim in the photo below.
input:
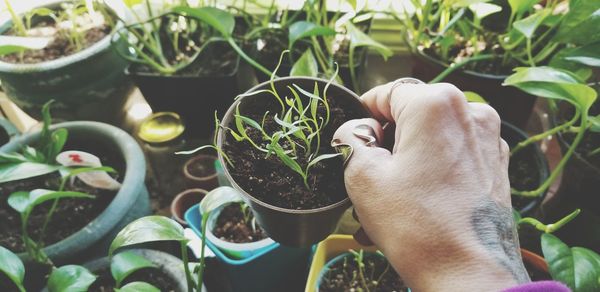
(327, 266)
(187, 173)
(428, 58)
(131, 186)
(98, 47)
(177, 198)
(221, 138)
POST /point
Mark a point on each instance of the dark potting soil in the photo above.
(6, 285)
(269, 46)
(342, 276)
(535, 274)
(523, 174)
(270, 181)
(71, 215)
(58, 48)
(232, 227)
(153, 276)
(3, 137)
(199, 168)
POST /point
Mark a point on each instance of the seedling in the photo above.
(247, 213)
(366, 272)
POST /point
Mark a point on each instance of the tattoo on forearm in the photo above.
(495, 228)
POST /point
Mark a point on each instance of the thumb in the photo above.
(359, 141)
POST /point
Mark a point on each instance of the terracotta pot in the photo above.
(185, 200)
(207, 182)
(534, 260)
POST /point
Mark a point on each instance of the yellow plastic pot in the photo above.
(328, 249)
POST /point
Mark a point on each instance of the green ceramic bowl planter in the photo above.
(87, 85)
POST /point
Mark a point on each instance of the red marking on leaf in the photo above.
(75, 158)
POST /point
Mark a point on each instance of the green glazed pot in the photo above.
(130, 202)
(87, 85)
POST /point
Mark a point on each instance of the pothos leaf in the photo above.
(70, 278)
(360, 39)
(578, 23)
(24, 202)
(474, 97)
(521, 6)
(482, 9)
(125, 263)
(527, 26)
(23, 170)
(138, 287)
(219, 197)
(12, 267)
(302, 29)
(587, 55)
(306, 65)
(219, 19)
(148, 229)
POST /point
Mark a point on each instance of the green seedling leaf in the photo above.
(59, 138)
(306, 65)
(125, 263)
(302, 29)
(521, 6)
(554, 84)
(138, 287)
(577, 267)
(70, 278)
(321, 158)
(12, 266)
(463, 3)
(219, 197)
(24, 202)
(220, 20)
(587, 55)
(23, 170)
(288, 161)
(574, 22)
(474, 97)
(482, 9)
(148, 229)
(131, 3)
(15, 44)
(527, 26)
(360, 39)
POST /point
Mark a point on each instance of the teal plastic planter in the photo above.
(88, 85)
(130, 202)
(266, 270)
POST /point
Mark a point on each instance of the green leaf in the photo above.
(24, 202)
(138, 287)
(585, 32)
(59, 138)
(219, 197)
(527, 26)
(579, 12)
(577, 267)
(23, 170)
(70, 278)
(131, 3)
(288, 161)
(481, 10)
(220, 20)
(15, 44)
(302, 29)
(252, 123)
(321, 158)
(474, 97)
(521, 6)
(148, 229)
(587, 55)
(463, 3)
(306, 65)
(12, 267)
(125, 263)
(360, 39)
(554, 84)
(595, 123)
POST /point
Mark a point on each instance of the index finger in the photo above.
(377, 99)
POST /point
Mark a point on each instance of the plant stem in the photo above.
(543, 135)
(459, 65)
(242, 54)
(201, 270)
(17, 21)
(529, 54)
(186, 267)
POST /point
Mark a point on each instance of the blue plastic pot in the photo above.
(130, 202)
(265, 270)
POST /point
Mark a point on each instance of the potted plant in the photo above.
(8, 131)
(291, 177)
(256, 266)
(342, 255)
(200, 172)
(184, 201)
(63, 206)
(484, 41)
(77, 66)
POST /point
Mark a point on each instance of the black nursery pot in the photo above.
(194, 97)
(291, 227)
(513, 105)
(527, 170)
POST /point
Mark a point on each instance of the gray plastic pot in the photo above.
(87, 85)
(130, 202)
(297, 228)
(8, 131)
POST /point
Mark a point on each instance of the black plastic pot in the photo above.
(130, 202)
(513, 135)
(513, 105)
(290, 227)
(8, 131)
(195, 98)
(87, 85)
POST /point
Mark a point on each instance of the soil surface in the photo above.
(201, 168)
(591, 140)
(153, 276)
(342, 276)
(270, 181)
(71, 215)
(59, 47)
(232, 227)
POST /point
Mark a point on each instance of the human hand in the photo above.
(438, 205)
